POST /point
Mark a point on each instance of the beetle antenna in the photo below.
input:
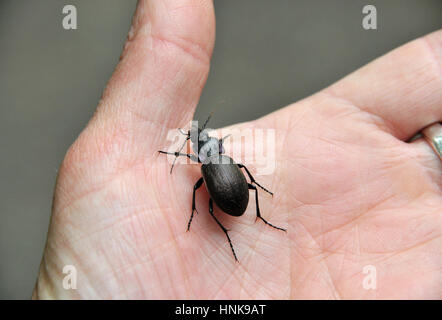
(208, 118)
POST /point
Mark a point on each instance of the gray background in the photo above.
(267, 55)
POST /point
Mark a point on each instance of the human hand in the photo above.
(349, 190)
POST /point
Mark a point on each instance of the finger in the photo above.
(402, 89)
(163, 67)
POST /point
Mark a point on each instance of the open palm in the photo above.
(348, 189)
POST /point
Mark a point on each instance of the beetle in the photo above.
(225, 182)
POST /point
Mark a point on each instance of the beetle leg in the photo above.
(253, 179)
(258, 213)
(178, 154)
(222, 227)
(195, 187)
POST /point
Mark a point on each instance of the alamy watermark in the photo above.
(69, 21)
(70, 280)
(370, 280)
(370, 21)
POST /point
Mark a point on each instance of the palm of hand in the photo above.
(350, 193)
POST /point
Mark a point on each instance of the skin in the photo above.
(351, 193)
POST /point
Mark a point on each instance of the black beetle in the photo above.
(225, 182)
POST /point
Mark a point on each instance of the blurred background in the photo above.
(268, 54)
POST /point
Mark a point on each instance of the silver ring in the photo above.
(433, 135)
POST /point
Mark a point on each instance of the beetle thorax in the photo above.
(208, 148)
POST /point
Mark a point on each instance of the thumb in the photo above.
(162, 70)
(155, 86)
